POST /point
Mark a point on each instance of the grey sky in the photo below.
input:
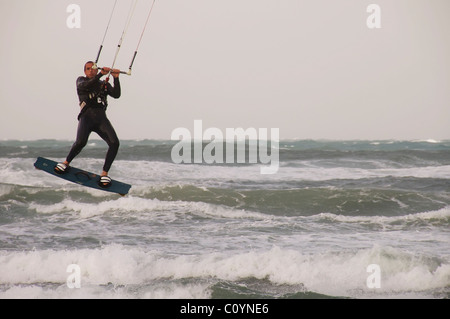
(311, 68)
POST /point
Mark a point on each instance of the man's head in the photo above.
(89, 69)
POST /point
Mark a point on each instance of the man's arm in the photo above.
(83, 83)
(115, 91)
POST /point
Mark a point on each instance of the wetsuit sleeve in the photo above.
(115, 91)
(84, 83)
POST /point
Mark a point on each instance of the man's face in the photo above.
(90, 71)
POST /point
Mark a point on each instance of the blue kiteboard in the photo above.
(84, 178)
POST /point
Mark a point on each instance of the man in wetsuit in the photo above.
(92, 93)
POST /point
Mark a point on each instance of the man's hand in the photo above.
(105, 70)
(115, 72)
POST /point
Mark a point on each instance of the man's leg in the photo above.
(83, 133)
(108, 134)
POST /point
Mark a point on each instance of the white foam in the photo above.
(430, 140)
(166, 173)
(340, 274)
(442, 214)
(131, 204)
(17, 171)
(6, 189)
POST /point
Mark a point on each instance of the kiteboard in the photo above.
(81, 177)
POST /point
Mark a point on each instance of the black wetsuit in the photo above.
(93, 94)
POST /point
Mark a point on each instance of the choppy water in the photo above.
(226, 231)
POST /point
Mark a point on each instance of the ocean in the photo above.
(340, 219)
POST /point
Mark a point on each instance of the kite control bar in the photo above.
(127, 73)
(121, 72)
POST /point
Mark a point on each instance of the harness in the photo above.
(99, 97)
(95, 99)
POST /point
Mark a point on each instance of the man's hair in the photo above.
(87, 64)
